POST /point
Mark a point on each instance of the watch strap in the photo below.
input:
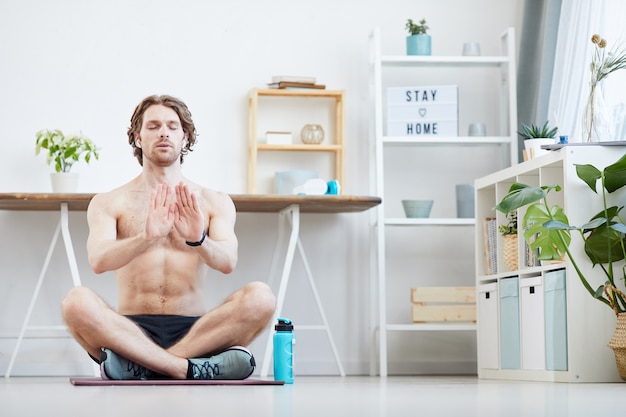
(198, 243)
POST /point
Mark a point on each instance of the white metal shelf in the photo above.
(456, 61)
(507, 139)
(400, 221)
(436, 327)
(446, 140)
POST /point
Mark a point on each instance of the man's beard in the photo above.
(162, 160)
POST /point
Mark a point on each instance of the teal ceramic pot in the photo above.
(418, 45)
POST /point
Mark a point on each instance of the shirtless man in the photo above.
(161, 233)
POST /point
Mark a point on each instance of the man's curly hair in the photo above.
(173, 103)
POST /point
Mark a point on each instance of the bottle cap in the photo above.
(284, 325)
(333, 187)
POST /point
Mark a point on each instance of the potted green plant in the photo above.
(63, 152)
(548, 231)
(418, 42)
(535, 136)
(509, 236)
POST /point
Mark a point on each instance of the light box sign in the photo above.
(423, 111)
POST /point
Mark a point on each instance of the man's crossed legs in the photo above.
(176, 347)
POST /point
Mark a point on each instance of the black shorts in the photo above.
(165, 330)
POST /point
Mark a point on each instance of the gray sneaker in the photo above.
(114, 366)
(234, 363)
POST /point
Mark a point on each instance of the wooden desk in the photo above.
(245, 203)
(288, 207)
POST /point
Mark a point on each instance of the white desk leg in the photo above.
(63, 227)
(71, 259)
(294, 210)
(292, 215)
(278, 249)
(69, 249)
(320, 308)
(33, 299)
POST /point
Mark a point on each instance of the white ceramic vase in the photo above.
(64, 182)
(533, 146)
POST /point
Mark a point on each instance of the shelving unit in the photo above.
(333, 144)
(502, 143)
(524, 333)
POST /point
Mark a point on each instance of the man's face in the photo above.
(161, 137)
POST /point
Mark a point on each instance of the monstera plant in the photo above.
(547, 228)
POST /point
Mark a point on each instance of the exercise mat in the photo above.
(92, 381)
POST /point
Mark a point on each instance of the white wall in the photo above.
(84, 65)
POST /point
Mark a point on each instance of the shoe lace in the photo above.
(205, 370)
(138, 371)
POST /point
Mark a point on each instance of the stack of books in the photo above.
(490, 229)
(292, 81)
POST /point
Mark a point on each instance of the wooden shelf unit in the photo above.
(337, 135)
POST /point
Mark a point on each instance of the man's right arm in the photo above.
(105, 252)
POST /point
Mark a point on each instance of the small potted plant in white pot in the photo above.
(535, 137)
(63, 152)
(418, 42)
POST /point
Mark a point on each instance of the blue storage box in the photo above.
(556, 320)
(509, 324)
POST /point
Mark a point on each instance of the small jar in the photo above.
(312, 134)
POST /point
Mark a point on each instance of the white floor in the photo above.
(315, 396)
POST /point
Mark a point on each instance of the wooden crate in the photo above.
(443, 304)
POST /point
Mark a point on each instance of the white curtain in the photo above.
(579, 20)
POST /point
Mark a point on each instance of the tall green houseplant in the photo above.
(547, 229)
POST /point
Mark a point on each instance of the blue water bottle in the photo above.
(283, 351)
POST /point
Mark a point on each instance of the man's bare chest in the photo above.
(132, 221)
(131, 218)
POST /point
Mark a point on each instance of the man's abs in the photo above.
(162, 281)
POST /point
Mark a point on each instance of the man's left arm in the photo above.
(218, 245)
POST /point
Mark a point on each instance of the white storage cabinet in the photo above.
(562, 333)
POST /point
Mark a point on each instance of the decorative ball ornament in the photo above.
(312, 134)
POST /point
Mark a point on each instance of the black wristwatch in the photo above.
(198, 243)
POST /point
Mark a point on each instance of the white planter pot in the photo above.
(64, 182)
(533, 146)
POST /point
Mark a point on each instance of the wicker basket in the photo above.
(618, 344)
(509, 252)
